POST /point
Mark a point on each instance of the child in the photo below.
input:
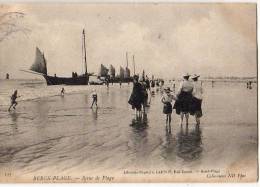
(13, 100)
(62, 92)
(94, 97)
(167, 108)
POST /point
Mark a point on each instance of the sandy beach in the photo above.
(56, 135)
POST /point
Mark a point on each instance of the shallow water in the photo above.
(62, 134)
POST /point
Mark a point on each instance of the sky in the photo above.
(167, 39)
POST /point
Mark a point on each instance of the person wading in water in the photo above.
(13, 100)
(167, 99)
(94, 99)
(184, 96)
(137, 96)
(196, 99)
(62, 92)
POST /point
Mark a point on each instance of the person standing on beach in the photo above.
(137, 97)
(13, 100)
(196, 99)
(173, 85)
(62, 92)
(145, 95)
(167, 99)
(184, 96)
(94, 98)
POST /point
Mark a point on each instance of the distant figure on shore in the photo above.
(7, 76)
(94, 98)
(184, 96)
(147, 81)
(62, 92)
(173, 85)
(148, 87)
(137, 96)
(13, 100)
(250, 85)
(162, 83)
(55, 75)
(145, 95)
(196, 99)
(167, 99)
(107, 83)
(152, 87)
(120, 83)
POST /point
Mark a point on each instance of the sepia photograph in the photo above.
(128, 92)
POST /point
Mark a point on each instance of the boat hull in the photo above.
(80, 80)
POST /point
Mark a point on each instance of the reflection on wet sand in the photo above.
(95, 113)
(139, 142)
(189, 143)
(140, 122)
(14, 117)
(169, 147)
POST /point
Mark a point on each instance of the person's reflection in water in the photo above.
(139, 144)
(94, 113)
(168, 148)
(140, 122)
(189, 143)
(14, 117)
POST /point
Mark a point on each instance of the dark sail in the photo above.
(112, 71)
(103, 72)
(39, 64)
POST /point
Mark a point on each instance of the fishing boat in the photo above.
(103, 71)
(40, 67)
(112, 72)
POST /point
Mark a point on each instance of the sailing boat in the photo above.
(40, 67)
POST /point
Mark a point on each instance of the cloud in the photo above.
(166, 39)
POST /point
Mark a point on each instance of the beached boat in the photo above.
(40, 67)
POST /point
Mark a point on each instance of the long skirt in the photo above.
(196, 107)
(136, 101)
(183, 103)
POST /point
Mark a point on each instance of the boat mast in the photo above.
(134, 63)
(85, 55)
(126, 60)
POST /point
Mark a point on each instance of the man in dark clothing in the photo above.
(13, 100)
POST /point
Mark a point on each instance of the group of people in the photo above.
(249, 85)
(188, 99)
(139, 96)
(74, 74)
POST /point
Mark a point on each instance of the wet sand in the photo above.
(64, 136)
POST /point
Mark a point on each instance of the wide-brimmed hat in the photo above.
(186, 75)
(167, 90)
(195, 76)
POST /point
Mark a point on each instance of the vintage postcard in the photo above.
(128, 92)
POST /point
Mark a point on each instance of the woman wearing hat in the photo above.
(184, 96)
(137, 97)
(167, 108)
(196, 99)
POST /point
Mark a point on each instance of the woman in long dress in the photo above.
(196, 99)
(137, 96)
(184, 97)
